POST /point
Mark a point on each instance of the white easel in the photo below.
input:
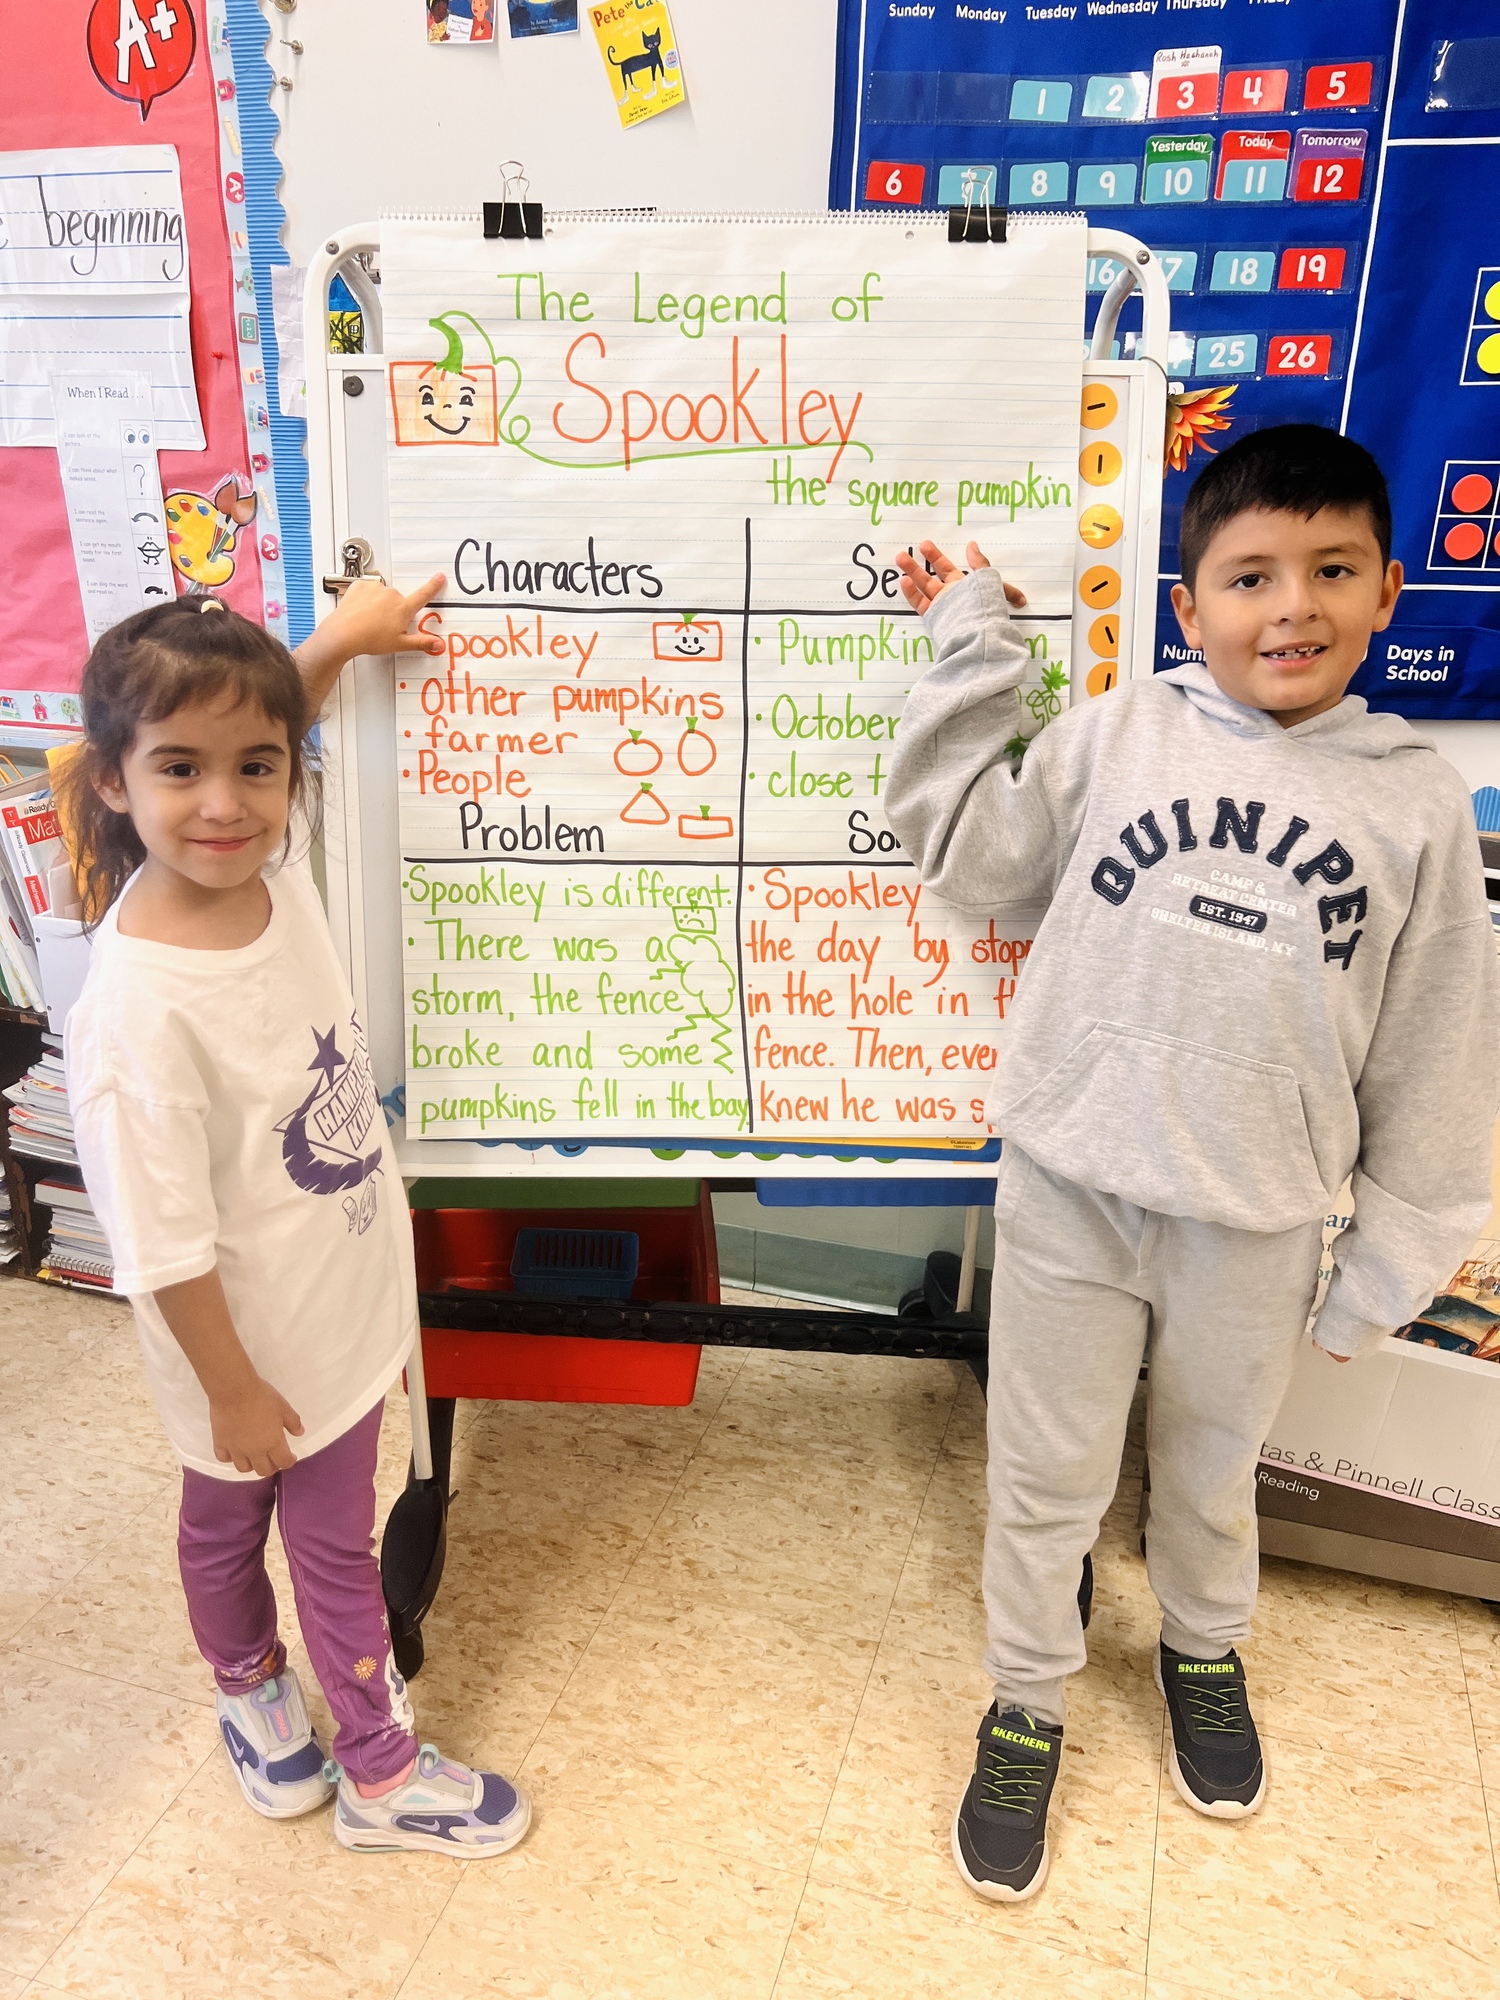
(346, 445)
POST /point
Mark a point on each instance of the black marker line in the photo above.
(513, 858)
(739, 885)
(655, 610)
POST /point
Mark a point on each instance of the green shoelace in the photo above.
(1007, 1785)
(1215, 1711)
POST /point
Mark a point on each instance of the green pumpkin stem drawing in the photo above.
(645, 809)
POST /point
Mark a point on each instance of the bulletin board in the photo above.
(1322, 181)
(143, 81)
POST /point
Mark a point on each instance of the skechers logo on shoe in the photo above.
(1206, 1667)
(1027, 1742)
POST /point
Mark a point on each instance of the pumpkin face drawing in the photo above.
(687, 638)
(435, 404)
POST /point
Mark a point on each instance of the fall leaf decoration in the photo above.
(1191, 416)
(645, 809)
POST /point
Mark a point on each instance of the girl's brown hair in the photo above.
(194, 649)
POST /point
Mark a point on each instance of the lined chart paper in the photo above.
(648, 885)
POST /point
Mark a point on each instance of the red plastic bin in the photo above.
(472, 1248)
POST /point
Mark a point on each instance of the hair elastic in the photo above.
(212, 604)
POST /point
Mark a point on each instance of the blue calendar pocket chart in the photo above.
(1111, 185)
(1320, 183)
(1035, 183)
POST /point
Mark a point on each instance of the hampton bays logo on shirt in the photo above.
(324, 1140)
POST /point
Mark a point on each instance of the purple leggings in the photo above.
(326, 1508)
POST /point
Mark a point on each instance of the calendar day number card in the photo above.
(648, 887)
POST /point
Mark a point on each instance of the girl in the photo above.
(235, 1150)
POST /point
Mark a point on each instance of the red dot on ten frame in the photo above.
(1464, 541)
(1472, 492)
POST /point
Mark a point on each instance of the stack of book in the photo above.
(10, 1242)
(78, 1249)
(31, 849)
(41, 1126)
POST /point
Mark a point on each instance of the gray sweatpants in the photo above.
(1082, 1279)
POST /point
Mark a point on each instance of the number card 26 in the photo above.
(1299, 354)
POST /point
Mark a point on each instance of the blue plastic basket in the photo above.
(575, 1263)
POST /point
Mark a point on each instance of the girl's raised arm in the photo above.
(372, 617)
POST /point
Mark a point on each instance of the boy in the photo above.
(1265, 961)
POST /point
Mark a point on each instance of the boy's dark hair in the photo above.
(1291, 469)
(144, 669)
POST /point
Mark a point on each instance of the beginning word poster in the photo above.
(648, 888)
(1321, 183)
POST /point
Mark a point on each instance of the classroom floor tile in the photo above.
(215, 1899)
(1361, 1877)
(89, 1765)
(733, 1650)
(598, 1903)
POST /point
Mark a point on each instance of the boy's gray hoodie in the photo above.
(1266, 957)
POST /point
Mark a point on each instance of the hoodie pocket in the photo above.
(1174, 1126)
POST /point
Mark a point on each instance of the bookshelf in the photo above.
(20, 1046)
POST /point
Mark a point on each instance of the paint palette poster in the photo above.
(542, 17)
(450, 21)
(640, 54)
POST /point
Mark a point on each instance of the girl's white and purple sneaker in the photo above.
(276, 1757)
(443, 1808)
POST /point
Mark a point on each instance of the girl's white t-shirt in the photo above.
(226, 1114)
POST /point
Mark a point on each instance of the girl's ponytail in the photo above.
(143, 670)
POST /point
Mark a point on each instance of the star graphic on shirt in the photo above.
(328, 1058)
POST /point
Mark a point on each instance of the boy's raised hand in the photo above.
(921, 587)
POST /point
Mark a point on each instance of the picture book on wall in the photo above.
(460, 21)
(640, 54)
(542, 17)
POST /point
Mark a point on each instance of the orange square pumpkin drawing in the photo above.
(435, 404)
(687, 638)
(449, 401)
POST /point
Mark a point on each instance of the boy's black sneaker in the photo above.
(1000, 1829)
(1216, 1759)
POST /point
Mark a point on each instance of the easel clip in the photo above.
(977, 223)
(513, 218)
(358, 560)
